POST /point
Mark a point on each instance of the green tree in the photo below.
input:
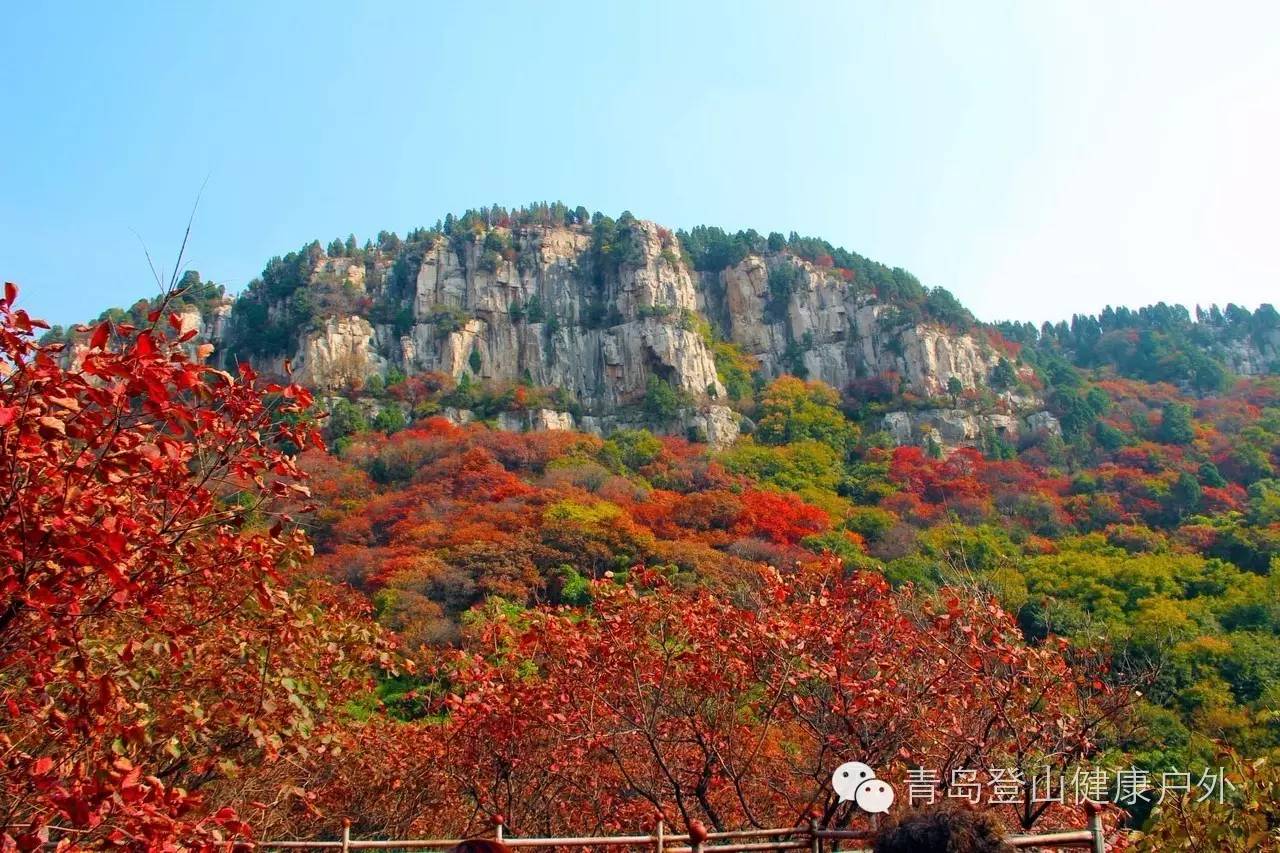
(1077, 411)
(1109, 437)
(795, 410)
(1264, 503)
(784, 277)
(1003, 376)
(346, 419)
(797, 466)
(390, 419)
(1176, 426)
(1211, 476)
(1185, 496)
(634, 448)
(1250, 461)
(1208, 374)
(661, 399)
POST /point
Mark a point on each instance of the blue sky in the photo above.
(1037, 159)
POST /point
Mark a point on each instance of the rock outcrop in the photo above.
(551, 318)
(536, 420)
(950, 428)
(550, 307)
(838, 331)
(1254, 355)
(344, 353)
(550, 323)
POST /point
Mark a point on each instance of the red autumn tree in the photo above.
(731, 709)
(157, 637)
(780, 517)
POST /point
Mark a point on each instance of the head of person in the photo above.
(480, 845)
(942, 829)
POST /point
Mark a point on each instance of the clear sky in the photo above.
(1036, 158)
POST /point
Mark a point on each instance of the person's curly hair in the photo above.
(480, 845)
(942, 829)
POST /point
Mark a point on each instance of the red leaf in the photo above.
(10, 292)
(144, 346)
(100, 336)
(53, 424)
(7, 414)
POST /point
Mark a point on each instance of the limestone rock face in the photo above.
(209, 325)
(342, 354)
(546, 306)
(900, 427)
(535, 420)
(838, 331)
(554, 322)
(1044, 423)
(718, 426)
(190, 318)
(1253, 356)
(951, 428)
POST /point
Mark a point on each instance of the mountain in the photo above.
(625, 323)
(1103, 489)
(600, 312)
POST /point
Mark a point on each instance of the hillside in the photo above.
(535, 418)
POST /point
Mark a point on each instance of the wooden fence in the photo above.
(809, 837)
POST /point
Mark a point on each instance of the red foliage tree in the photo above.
(731, 709)
(156, 637)
(780, 517)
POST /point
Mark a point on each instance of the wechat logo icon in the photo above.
(856, 781)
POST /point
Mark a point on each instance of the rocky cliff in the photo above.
(1255, 355)
(553, 306)
(837, 331)
(551, 318)
(552, 321)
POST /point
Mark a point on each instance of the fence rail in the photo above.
(809, 837)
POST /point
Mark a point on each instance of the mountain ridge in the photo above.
(634, 324)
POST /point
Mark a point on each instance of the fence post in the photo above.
(658, 839)
(815, 843)
(697, 835)
(498, 821)
(1094, 810)
(346, 834)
